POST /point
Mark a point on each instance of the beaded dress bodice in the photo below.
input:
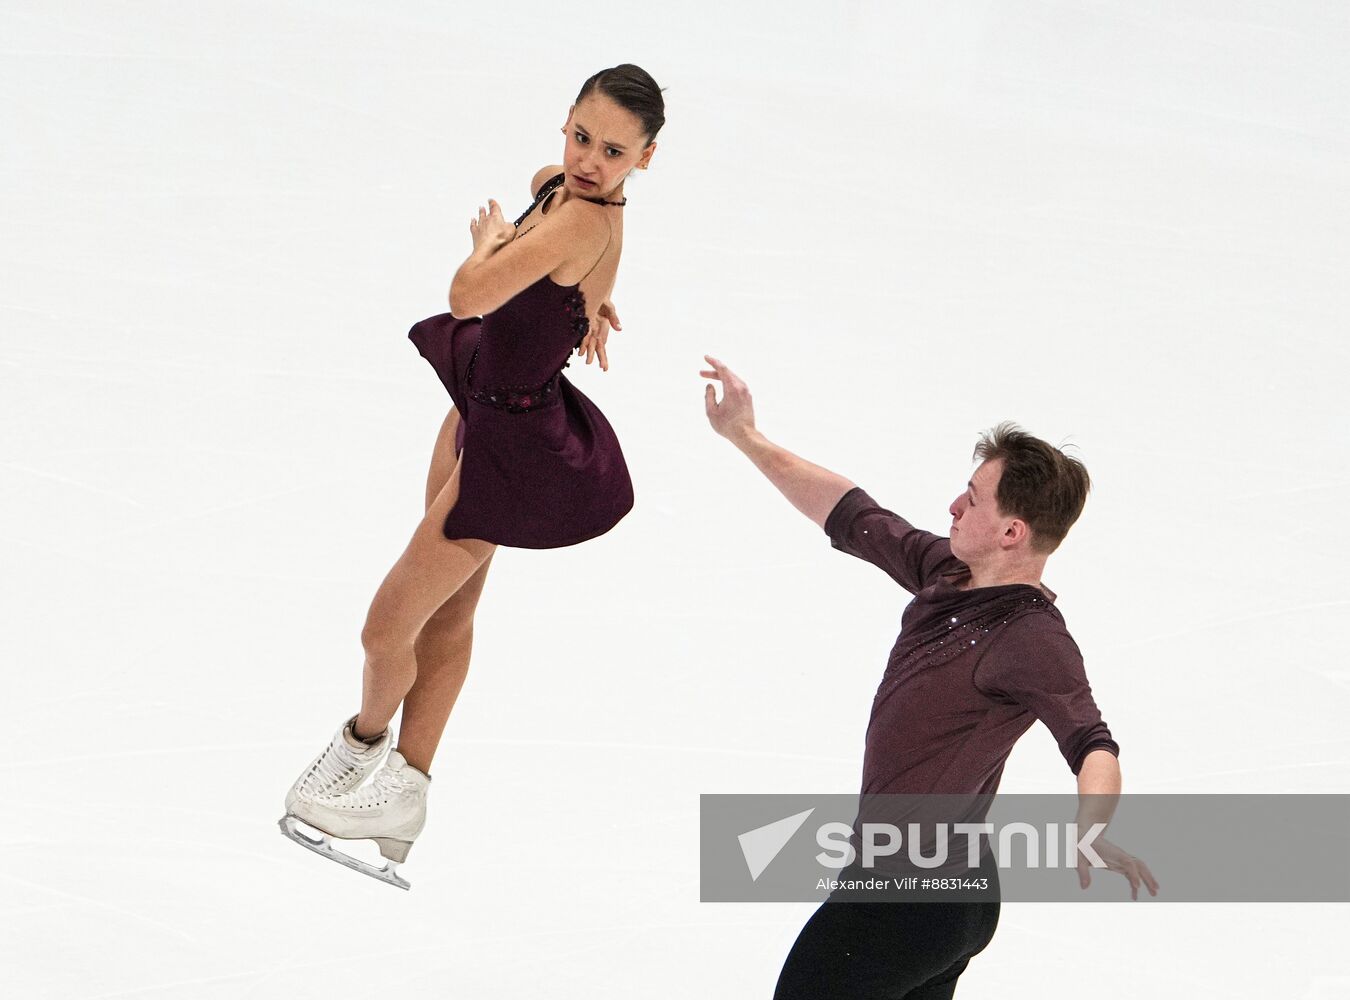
(526, 343)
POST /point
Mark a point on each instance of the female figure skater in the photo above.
(523, 459)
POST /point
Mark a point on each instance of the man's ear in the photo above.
(1017, 531)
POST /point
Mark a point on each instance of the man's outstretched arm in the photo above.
(1098, 792)
(812, 490)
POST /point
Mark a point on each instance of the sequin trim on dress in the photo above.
(514, 398)
(575, 304)
(545, 189)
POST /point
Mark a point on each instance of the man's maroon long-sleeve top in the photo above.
(971, 670)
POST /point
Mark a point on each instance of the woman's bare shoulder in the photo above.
(542, 175)
(579, 223)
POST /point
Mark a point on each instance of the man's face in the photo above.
(977, 525)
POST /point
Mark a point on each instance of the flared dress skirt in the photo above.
(550, 476)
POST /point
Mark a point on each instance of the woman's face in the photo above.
(604, 142)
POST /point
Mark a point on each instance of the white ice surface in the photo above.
(1119, 223)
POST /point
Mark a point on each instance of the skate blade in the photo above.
(324, 846)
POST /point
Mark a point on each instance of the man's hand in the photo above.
(812, 490)
(593, 344)
(1117, 861)
(734, 416)
(490, 230)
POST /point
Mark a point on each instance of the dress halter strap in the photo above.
(545, 189)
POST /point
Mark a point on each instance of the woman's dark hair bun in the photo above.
(632, 88)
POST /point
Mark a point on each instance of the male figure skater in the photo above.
(982, 654)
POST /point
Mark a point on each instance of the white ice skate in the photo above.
(342, 765)
(390, 810)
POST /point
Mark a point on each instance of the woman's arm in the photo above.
(501, 266)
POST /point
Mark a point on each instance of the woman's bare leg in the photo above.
(443, 648)
(431, 571)
(445, 643)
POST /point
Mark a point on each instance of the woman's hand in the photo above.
(593, 344)
(490, 230)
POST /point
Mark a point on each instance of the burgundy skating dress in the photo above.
(540, 466)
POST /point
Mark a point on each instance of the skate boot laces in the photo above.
(338, 763)
(340, 767)
(397, 780)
